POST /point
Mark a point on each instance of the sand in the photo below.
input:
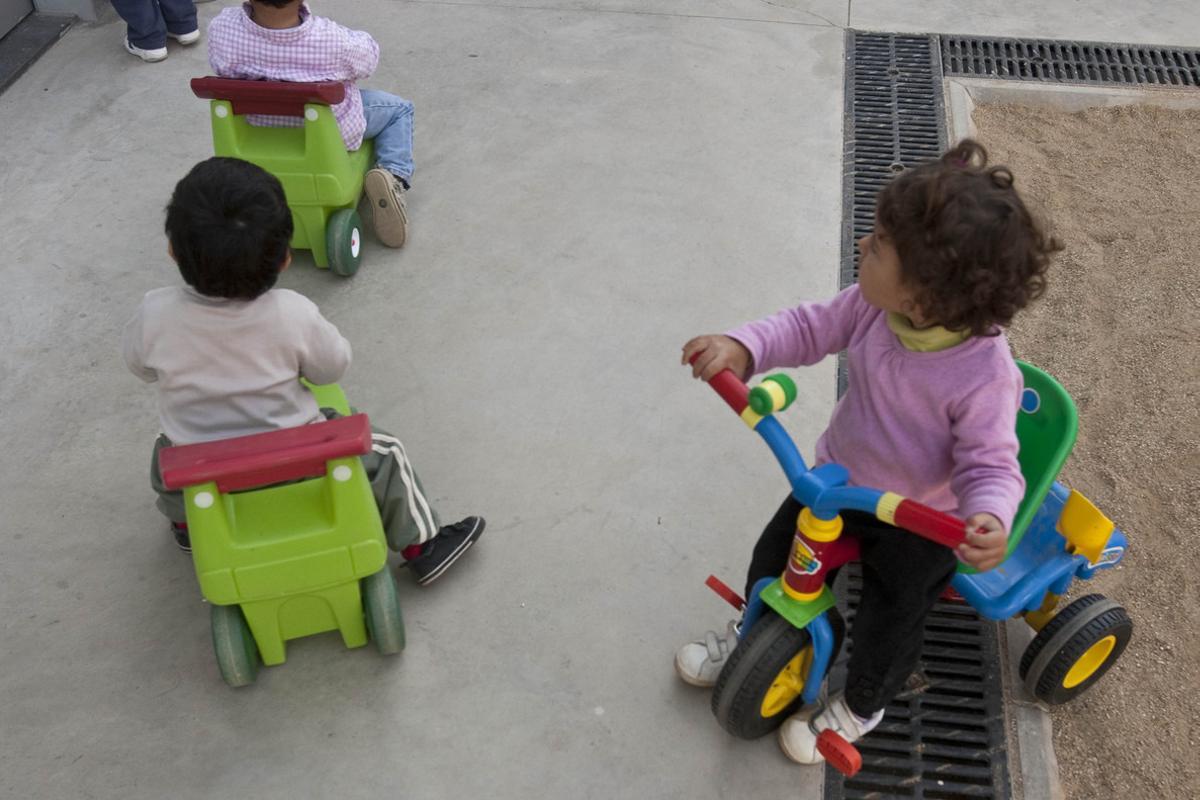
(1120, 329)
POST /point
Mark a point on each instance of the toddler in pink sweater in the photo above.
(929, 411)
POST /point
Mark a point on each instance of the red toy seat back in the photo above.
(263, 459)
(268, 97)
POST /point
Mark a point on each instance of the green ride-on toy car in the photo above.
(321, 179)
(286, 539)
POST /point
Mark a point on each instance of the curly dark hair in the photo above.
(229, 227)
(968, 246)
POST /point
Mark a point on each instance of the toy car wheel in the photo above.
(1075, 648)
(760, 684)
(381, 604)
(343, 241)
(237, 654)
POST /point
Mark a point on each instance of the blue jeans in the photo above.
(390, 124)
(147, 21)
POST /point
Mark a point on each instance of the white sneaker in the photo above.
(798, 735)
(186, 38)
(157, 54)
(699, 663)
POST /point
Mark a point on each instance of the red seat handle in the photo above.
(280, 98)
(262, 459)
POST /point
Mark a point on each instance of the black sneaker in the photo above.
(180, 532)
(444, 549)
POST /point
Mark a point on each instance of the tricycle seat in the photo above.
(1041, 563)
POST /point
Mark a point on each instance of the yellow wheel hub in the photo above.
(1089, 662)
(788, 684)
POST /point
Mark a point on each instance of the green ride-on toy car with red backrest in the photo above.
(321, 179)
(287, 539)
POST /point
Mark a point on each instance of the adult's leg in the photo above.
(179, 15)
(144, 23)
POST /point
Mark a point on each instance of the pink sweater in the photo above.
(938, 427)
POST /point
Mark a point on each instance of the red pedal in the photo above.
(841, 755)
(950, 595)
(728, 595)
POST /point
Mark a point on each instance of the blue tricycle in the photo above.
(787, 644)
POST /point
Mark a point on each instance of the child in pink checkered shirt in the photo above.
(282, 40)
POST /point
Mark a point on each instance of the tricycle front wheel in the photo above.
(1075, 648)
(760, 685)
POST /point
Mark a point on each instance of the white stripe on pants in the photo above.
(418, 506)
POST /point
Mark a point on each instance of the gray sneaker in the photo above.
(699, 663)
(389, 212)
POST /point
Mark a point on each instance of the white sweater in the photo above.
(232, 367)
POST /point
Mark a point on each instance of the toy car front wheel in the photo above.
(237, 654)
(760, 685)
(1075, 648)
(343, 241)
(381, 604)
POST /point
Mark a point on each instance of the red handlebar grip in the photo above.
(731, 388)
(933, 525)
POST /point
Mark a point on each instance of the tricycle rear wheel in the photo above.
(1075, 648)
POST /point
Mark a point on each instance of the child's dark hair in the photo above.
(229, 228)
(275, 3)
(968, 246)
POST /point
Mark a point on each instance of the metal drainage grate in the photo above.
(944, 737)
(1075, 62)
(894, 120)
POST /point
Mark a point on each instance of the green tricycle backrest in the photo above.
(1047, 424)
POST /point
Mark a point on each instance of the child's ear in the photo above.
(287, 260)
(171, 252)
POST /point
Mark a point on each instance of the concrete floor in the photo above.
(597, 181)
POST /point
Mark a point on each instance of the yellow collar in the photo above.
(924, 340)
